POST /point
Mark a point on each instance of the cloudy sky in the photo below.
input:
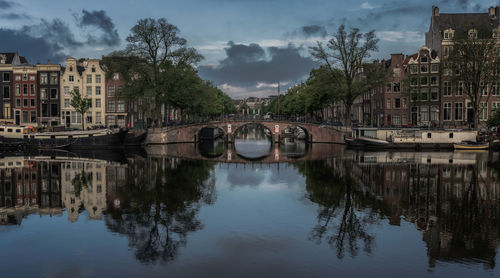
(248, 45)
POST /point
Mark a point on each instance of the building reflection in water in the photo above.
(452, 198)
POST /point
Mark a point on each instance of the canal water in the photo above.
(288, 210)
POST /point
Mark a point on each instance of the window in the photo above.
(388, 104)
(397, 103)
(413, 69)
(25, 89)
(434, 80)
(120, 106)
(6, 92)
(110, 120)
(424, 113)
(89, 91)
(460, 88)
(89, 78)
(434, 68)
(76, 118)
(414, 95)
(43, 93)
(484, 89)
(397, 87)
(111, 90)
(472, 34)
(404, 102)
(89, 119)
(93, 69)
(434, 94)
(32, 89)
(495, 88)
(116, 76)
(6, 111)
(98, 91)
(32, 78)
(66, 90)
(111, 105)
(71, 78)
(25, 117)
(18, 103)
(424, 68)
(459, 111)
(25, 77)
(66, 103)
(44, 78)
(495, 106)
(32, 102)
(70, 68)
(388, 87)
(447, 111)
(53, 78)
(396, 120)
(423, 59)
(98, 118)
(98, 78)
(33, 116)
(424, 94)
(53, 93)
(414, 81)
(98, 103)
(434, 113)
(483, 111)
(6, 77)
(424, 81)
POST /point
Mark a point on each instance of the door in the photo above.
(18, 117)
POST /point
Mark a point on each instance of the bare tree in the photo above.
(344, 57)
(472, 61)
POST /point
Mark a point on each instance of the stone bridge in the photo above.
(229, 155)
(315, 133)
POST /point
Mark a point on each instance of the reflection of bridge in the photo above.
(191, 151)
(190, 133)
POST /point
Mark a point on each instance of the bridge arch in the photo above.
(296, 125)
(208, 132)
(259, 124)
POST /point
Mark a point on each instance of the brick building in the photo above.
(25, 96)
(116, 107)
(7, 62)
(49, 108)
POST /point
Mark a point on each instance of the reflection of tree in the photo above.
(160, 206)
(342, 220)
(81, 181)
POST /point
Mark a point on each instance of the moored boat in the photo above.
(470, 145)
(79, 139)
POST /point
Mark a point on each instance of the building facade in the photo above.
(93, 78)
(7, 61)
(71, 79)
(25, 96)
(49, 108)
(116, 107)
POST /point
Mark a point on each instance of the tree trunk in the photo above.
(83, 121)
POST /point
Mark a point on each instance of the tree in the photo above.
(344, 59)
(472, 62)
(157, 44)
(80, 103)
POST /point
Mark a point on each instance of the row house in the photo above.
(423, 70)
(389, 103)
(25, 95)
(7, 62)
(116, 108)
(49, 94)
(456, 108)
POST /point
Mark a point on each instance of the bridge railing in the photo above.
(246, 118)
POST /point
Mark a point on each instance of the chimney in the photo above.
(435, 11)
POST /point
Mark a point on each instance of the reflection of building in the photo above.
(452, 198)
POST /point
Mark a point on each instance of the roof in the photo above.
(463, 20)
(14, 59)
(407, 59)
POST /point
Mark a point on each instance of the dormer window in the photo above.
(70, 68)
(93, 69)
(423, 60)
(472, 34)
(116, 76)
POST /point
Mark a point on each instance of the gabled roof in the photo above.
(407, 59)
(12, 58)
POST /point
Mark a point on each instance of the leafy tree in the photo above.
(157, 44)
(471, 61)
(343, 58)
(80, 103)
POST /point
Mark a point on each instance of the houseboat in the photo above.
(408, 138)
(79, 139)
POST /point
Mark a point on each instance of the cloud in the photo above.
(55, 30)
(400, 36)
(15, 16)
(314, 31)
(6, 4)
(34, 48)
(101, 21)
(367, 6)
(249, 65)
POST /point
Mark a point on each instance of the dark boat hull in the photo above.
(112, 140)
